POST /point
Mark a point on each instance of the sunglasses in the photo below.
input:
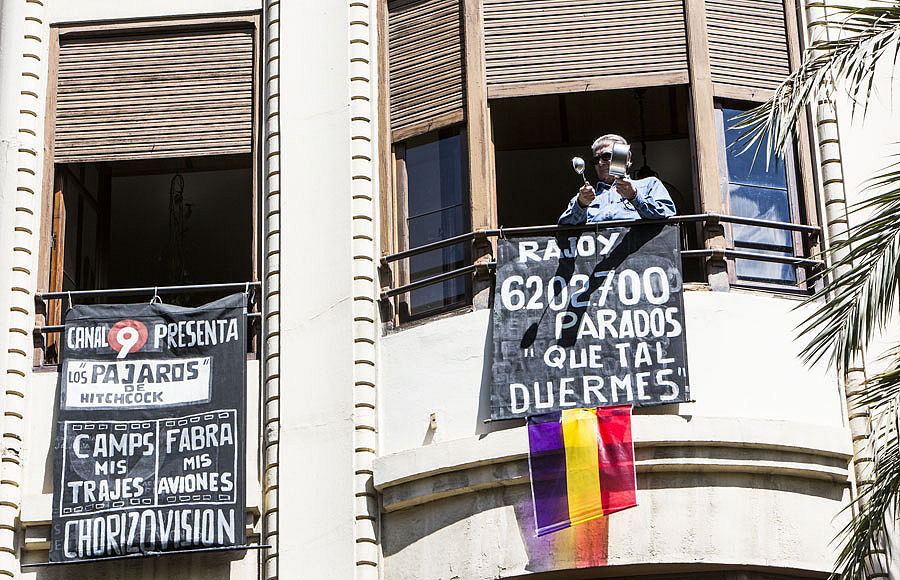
(606, 156)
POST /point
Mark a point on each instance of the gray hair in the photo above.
(609, 137)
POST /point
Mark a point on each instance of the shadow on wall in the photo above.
(483, 423)
(209, 566)
(48, 460)
(505, 514)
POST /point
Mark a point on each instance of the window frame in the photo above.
(49, 190)
(704, 98)
(400, 223)
(798, 212)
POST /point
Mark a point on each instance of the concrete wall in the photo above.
(23, 76)
(752, 473)
(711, 493)
(867, 148)
(11, 31)
(316, 469)
(42, 392)
(316, 460)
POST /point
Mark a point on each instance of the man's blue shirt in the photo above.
(651, 201)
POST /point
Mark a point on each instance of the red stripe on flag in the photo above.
(616, 458)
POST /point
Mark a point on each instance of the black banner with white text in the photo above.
(588, 319)
(150, 440)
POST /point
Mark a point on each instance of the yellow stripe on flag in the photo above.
(579, 427)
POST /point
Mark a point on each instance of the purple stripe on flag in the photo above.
(547, 458)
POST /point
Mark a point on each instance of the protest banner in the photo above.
(588, 319)
(150, 441)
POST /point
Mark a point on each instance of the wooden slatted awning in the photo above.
(748, 47)
(547, 46)
(154, 94)
(425, 56)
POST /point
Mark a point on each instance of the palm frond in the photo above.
(863, 37)
(864, 275)
(883, 389)
(862, 284)
(867, 529)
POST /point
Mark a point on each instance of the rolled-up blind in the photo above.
(538, 41)
(747, 43)
(425, 56)
(154, 94)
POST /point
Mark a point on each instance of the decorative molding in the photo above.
(667, 444)
(271, 286)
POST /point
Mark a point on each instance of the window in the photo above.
(153, 154)
(434, 205)
(152, 223)
(528, 112)
(752, 189)
(536, 137)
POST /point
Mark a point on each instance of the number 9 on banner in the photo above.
(127, 336)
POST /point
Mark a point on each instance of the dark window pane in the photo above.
(437, 296)
(436, 226)
(437, 261)
(73, 230)
(443, 294)
(88, 265)
(771, 272)
(434, 173)
(742, 168)
(438, 210)
(760, 203)
(431, 228)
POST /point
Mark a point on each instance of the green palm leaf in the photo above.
(854, 306)
(861, 296)
(866, 532)
(863, 37)
(860, 293)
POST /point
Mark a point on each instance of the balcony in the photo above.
(763, 440)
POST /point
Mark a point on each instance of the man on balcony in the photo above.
(617, 199)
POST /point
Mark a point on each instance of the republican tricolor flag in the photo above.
(582, 465)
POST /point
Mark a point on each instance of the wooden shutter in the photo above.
(425, 56)
(568, 45)
(154, 94)
(747, 44)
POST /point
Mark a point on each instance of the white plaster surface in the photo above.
(741, 358)
(681, 519)
(11, 20)
(316, 510)
(71, 11)
(752, 473)
(649, 431)
(210, 566)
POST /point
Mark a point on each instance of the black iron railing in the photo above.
(707, 218)
(151, 291)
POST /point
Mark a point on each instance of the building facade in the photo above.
(306, 148)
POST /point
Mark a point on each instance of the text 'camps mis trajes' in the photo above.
(110, 454)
